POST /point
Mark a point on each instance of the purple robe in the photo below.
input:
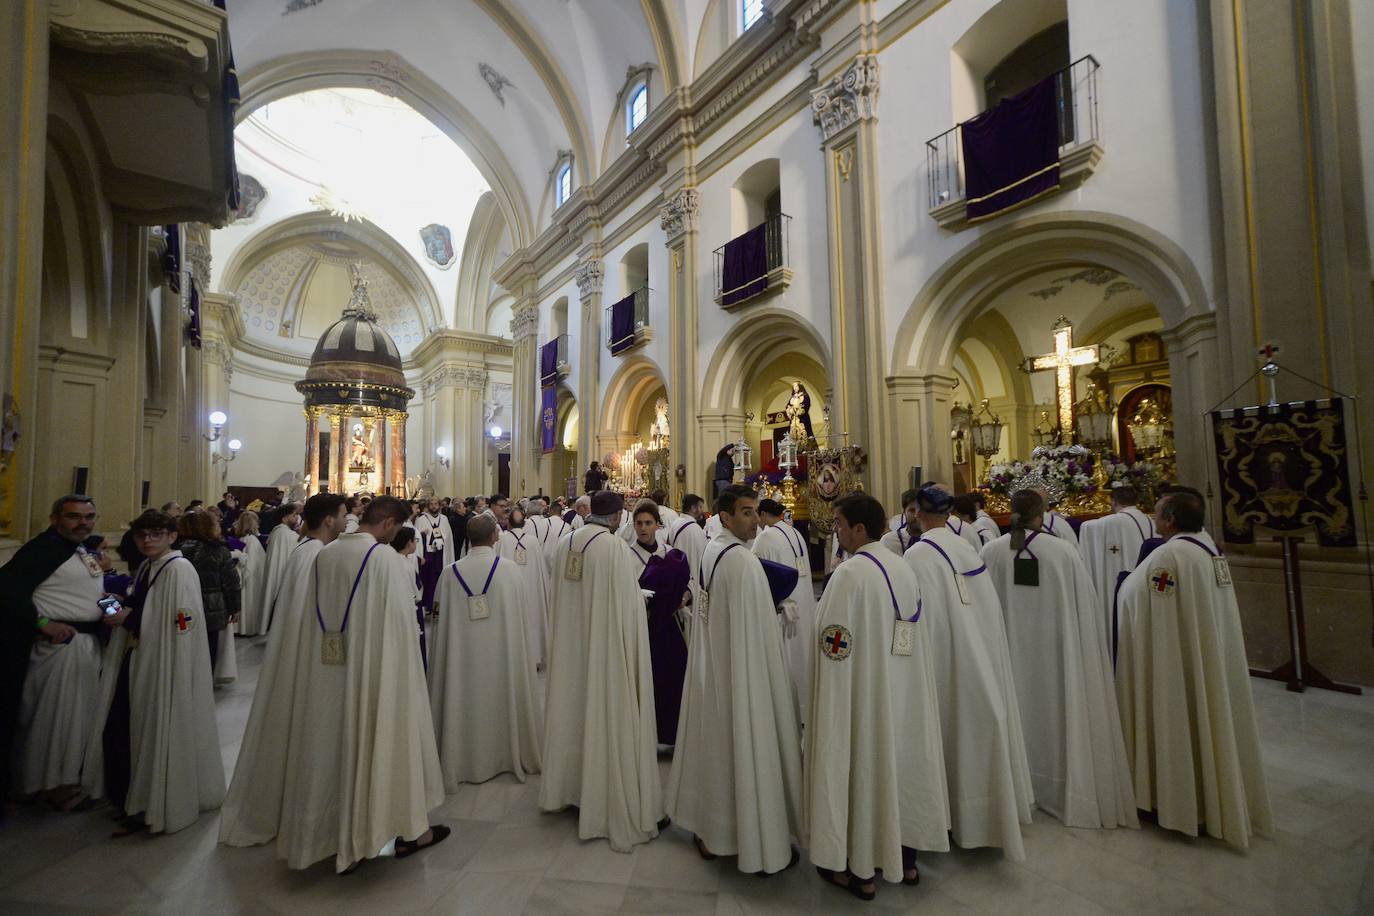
(667, 577)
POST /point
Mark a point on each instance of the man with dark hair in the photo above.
(173, 508)
(724, 469)
(1181, 672)
(194, 505)
(987, 529)
(909, 532)
(595, 478)
(966, 511)
(695, 507)
(48, 589)
(875, 732)
(980, 719)
(498, 506)
(362, 766)
(736, 775)
(252, 811)
(436, 549)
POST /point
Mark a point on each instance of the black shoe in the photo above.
(406, 848)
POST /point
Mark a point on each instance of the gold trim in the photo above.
(973, 220)
(1019, 181)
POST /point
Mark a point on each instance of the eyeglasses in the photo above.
(151, 534)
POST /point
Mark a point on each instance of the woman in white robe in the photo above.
(253, 575)
(1063, 674)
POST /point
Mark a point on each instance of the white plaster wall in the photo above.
(1362, 42)
(1150, 110)
(266, 413)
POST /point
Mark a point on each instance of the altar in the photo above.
(355, 405)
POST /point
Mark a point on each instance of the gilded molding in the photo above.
(590, 275)
(848, 98)
(678, 215)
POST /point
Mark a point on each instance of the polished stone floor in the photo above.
(506, 857)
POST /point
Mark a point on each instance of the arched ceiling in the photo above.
(564, 61)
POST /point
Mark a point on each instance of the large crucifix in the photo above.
(1065, 358)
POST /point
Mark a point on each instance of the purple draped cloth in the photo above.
(548, 363)
(431, 567)
(1011, 152)
(623, 323)
(548, 419)
(745, 271)
(667, 578)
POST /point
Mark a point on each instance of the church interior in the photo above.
(454, 248)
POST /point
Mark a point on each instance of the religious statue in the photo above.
(658, 432)
(421, 487)
(798, 412)
(361, 453)
(295, 488)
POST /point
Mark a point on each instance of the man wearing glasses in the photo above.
(50, 654)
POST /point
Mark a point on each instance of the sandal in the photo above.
(405, 848)
(909, 865)
(849, 882)
(129, 826)
(702, 850)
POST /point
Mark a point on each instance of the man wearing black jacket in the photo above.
(71, 530)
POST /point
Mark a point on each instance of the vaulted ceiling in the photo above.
(552, 76)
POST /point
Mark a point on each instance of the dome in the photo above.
(356, 362)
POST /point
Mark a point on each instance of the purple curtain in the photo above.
(1011, 153)
(746, 266)
(548, 418)
(623, 323)
(548, 363)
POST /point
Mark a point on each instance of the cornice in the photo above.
(449, 342)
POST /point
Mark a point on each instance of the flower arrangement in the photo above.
(1145, 476)
(1069, 466)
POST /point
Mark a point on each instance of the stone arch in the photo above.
(624, 396)
(73, 225)
(390, 74)
(961, 289)
(292, 229)
(768, 327)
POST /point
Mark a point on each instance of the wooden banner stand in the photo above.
(1298, 672)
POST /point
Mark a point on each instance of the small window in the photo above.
(564, 189)
(637, 109)
(750, 12)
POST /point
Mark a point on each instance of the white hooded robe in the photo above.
(736, 779)
(1110, 546)
(280, 543)
(253, 588)
(782, 543)
(481, 691)
(520, 547)
(980, 722)
(1183, 687)
(875, 775)
(600, 736)
(1064, 685)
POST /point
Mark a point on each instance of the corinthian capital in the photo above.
(524, 323)
(848, 98)
(590, 274)
(679, 214)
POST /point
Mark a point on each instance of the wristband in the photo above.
(41, 623)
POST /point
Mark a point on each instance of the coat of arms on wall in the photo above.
(438, 245)
(251, 195)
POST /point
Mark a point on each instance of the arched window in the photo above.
(563, 190)
(750, 12)
(637, 109)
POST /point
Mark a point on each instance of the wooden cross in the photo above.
(1063, 361)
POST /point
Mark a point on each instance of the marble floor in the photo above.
(507, 857)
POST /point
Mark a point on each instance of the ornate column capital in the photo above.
(590, 275)
(678, 215)
(198, 254)
(848, 98)
(524, 323)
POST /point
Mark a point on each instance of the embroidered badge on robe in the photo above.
(704, 606)
(904, 637)
(477, 608)
(1162, 581)
(573, 571)
(837, 642)
(332, 648)
(184, 622)
(1222, 570)
(520, 555)
(92, 564)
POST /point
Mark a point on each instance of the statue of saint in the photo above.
(658, 432)
(362, 454)
(798, 412)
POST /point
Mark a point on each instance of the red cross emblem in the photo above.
(183, 620)
(1164, 583)
(1268, 351)
(836, 642)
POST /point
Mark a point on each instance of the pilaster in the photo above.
(590, 275)
(678, 218)
(524, 440)
(922, 438)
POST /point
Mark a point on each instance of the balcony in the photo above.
(553, 361)
(754, 265)
(627, 322)
(1080, 147)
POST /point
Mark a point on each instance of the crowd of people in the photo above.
(952, 673)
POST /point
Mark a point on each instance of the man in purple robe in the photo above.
(664, 580)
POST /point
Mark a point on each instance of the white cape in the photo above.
(362, 767)
(280, 543)
(1184, 690)
(252, 810)
(600, 736)
(481, 690)
(875, 778)
(782, 543)
(253, 585)
(1064, 685)
(736, 779)
(176, 770)
(689, 537)
(965, 530)
(1109, 546)
(899, 541)
(980, 722)
(986, 529)
(534, 583)
(1060, 527)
